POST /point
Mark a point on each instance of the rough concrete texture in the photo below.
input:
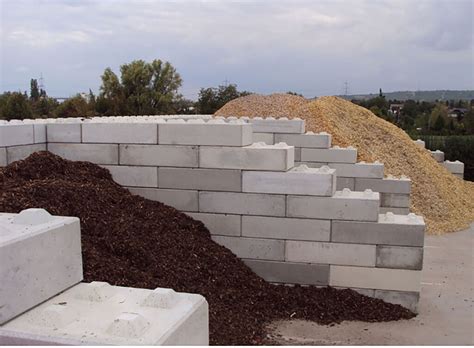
(134, 176)
(63, 133)
(399, 257)
(394, 210)
(184, 200)
(159, 155)
(220, 224)
(445, 308)
(455, 167)
(438, 155)
(3, 156)
(19, 152)
(253, 248)
(39, 131)
(334, 154)
(16, 134)
(123, 133)
(395, 200)
(267, 138)
(95, 153)
(386, 185)
(342, 183)
(309, 139)
(358, 170)
(282, 125)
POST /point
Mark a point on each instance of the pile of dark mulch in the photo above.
(130, 241)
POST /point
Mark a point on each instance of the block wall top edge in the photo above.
(347, 193)
(410, 219)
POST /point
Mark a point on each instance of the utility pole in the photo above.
(41, 83)
(346, 88)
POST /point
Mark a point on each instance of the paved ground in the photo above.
(446, 308)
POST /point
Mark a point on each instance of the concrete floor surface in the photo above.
(446, 308)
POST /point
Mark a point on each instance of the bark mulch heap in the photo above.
(130, 241)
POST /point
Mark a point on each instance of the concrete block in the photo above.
(330, 253)
(455, 167)
(183, 200)
(365, 292)
(406, 299)
(331, 155)
(159, 155)
(438, 156)
(258, 156)
(399, 257)
(385, 185)
(289, 272)
(253, 248)
(16, 134)
(375, 278)
(420, 143)
(95, 153)
(200, 179)
(280, 125)
(311, 164)
(461, 176)
(120, 133)
(63, 133)
(395, 200)
(344, 205)
(300, 180)
(358, 170)
(19, 152)
(220, 224)
(267, 138)
(242, 203)
(40, 256)
(403, 230)
(134, 176)
(286, 228)
(298, 155)
(394, 210)
(309, 139)
(342, 183)
(202, 133)
(3, 157)
(39, 131)
(126, 316)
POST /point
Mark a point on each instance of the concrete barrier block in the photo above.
(3, 157)
(242, 203)
(286, 228)
(280, 125)
(407, 299)
(39, 131)
(200, 179)
(129, 316)
(40, 256)
(331, 155)
(183, 200)
(134, 176)
(394, 210)
(289, 272)
(399, 257)
(267, 138)
(342, 183)
(309, 139)
(395, 200)
(385, 185)
(95, 153)
(344, 205)
(298, 155)
(455, 167)
(438, 156)
(220, 224)
(375, 278)
(258, 156)
(253, 248)
(402, 230)
(16, 134)
(159, 155)
(202, 133)
(300, 180)
(120, 133)
(63, 132)
(420, 143)
(330, 253)
(358, 170)
(19, 152)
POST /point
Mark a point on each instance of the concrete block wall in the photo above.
(455, 167)
(277, 217)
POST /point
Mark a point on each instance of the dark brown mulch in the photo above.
(130, 241)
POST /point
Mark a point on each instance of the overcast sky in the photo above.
(310, 47)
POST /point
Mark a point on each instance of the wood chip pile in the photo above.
(445, 201)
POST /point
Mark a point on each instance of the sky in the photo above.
(309, 47)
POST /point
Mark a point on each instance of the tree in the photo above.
(212, 99)
(76, 106)
(16, 106)
(34, 90)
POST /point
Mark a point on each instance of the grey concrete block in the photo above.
(242, 203)
(183, 200)
(399, 257)
(455, 167)
(200, 179)
(120, 133)
(286, 228)
(420, 143)
(395, 200)
(342, 183)
(402, 231)
(281, 125)
(386, 185)
(309, 140)
(220, 224)
(365, 292)
(63, 133)
(159, 155)
(19, 152)
(253, 248)
(331, 155)
(359, 206)
(407, 299)
(95, 153)
(16, 134)
(3, 157)
(330, 253)
(438, 156)
(134, 176)
(39, 131)
(358, 170)
(297, 155)
(394, 210)
(289, 272)
(267, 138)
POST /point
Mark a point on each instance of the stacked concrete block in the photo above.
(438, 156)
(63, 133)
(100, 314)
(95, 153)
(308, 140)
(16, 134)
(159, 155)
(125, 133)
(419, 143)
(455, 167)
(19, 152)
(277, 125)
(331, 155)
